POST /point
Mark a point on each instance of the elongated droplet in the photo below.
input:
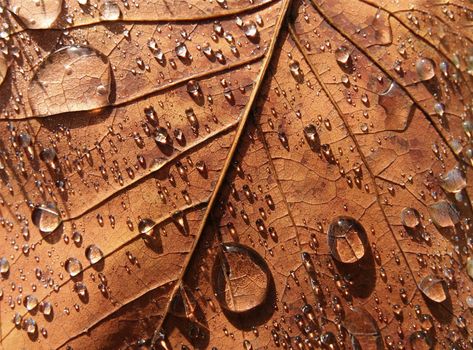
(433, 288)
(469, 267)
(184, 304)
(251, 31)
(397, 106)
(454, 181)
(444, 214)
(73, 266)
(362, 328)
(46, 217)
(145, 226)
(3, 68)
(425, 68)
(346, 239)
(4, 265)
(241, 278)
(410, 217)
(36, 14)
(73, 78)
(420, 340)
(93, 254)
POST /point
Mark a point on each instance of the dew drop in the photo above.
(4, 265)
(30, 302)
(93, 254)
(454, 181)
(433, 288)
(30, 326)
(444, 214)
(88, 87)
(342, 54)
(425, 68)
(250, 30)
(346, 238)
(181, 51)
(146, 226)
(73, 266)
(410, 217)
(397, 106)
(241, 278)
(362, 328)
(110, 11)
(46, 217)
(35, 14)
(420, 341)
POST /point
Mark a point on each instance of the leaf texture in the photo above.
(235, 174)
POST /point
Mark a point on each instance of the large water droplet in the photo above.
(425, 68)
(30, 326)
(363, 329)
(73, 266)
(36, 14)
(444, 214)
(31, 302)
(346, 238)
(241, 278)
(73, 78)
(469, 266)
(46, 217)
(433, 288)
(342, 54)
(251, 31)
(184, 304)
(145, 226)
(454, 181)
(93, 254)
(410, 217)
(110, 11)
(397, 106)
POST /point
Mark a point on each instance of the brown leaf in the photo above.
(236, 174)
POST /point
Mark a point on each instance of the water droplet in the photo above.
(469, 267)
(241, 278)
(342, 55)
(184, 304)
(362, 328)
(110, 11)
(93, 254)
(454, 181)
(4, 265)
(425, 68)
(73, 266)
(420, 341)
(397, 106)
(145, 226)
(30, 326)
(312, 136)
(87, 87)
(410, 217)
(433, 288)
(36, 14)
(46, 217)
(444, 214)
(346, 238)
(181, 51)
(295, 69)
(3, 68)
(30, 302)
(251, 31)
(46, 308)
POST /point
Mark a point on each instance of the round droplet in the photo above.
(93, 254)
(454, 181)
(73, 78)
(362, 328)
(444, 214)
(433, 288)
(145, 226)
(46, 308)
(250, 29)
(346, 238)
(73, 266)
(35, 14)
(46, 217)
(342, 54)
(425, 68)
(30, 325)
(410, 217)
(4, 265)
(110, 11)
(241, 278)
(31, 302)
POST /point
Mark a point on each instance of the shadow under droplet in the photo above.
(442, 312)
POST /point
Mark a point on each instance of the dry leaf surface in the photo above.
(233, 174)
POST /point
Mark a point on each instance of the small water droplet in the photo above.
(250, 30)
(146, 226)
(342, 54)
(30, 302)
(4, 265)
